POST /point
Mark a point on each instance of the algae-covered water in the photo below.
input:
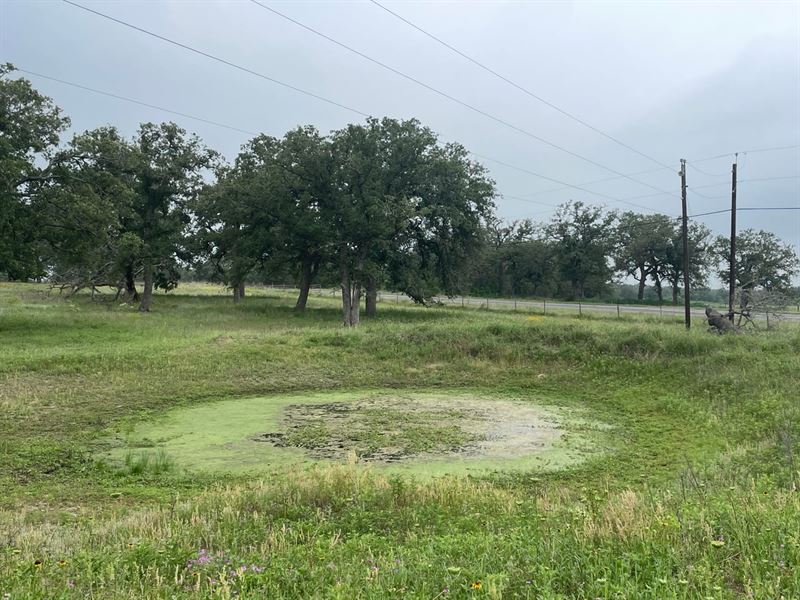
(415, 432)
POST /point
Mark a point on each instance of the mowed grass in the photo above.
(695, 496)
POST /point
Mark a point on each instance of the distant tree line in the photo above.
(583, 250)
(378, 204)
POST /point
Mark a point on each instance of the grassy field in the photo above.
(695, 494)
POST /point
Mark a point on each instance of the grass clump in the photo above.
(139, 463)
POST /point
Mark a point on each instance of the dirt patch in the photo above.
(392, 429)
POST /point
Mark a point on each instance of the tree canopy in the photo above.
(382, 204)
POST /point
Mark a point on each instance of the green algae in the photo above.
(419, 433)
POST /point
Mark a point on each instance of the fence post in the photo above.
(544, 306)
(660, 309)
(580, 309)
(487, 303)
(462, 300)
(618, 309)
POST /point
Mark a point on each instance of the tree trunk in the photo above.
(351, 300)
(659, 291)
(674, 292)
(131, 294)
(372, 297)
(147, 294)
(306, 275)
(345, 300)
(238, 291)
(642, 283)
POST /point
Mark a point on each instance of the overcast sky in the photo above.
(671, 79)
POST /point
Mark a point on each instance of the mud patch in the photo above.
(382, 429)
(391, 429)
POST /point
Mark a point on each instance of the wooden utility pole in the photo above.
(732, 275)
(687, 310)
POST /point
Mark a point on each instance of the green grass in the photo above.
(695, 495)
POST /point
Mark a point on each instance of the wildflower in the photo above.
(476, 585)
(601, 580)
(62, 563)
(717, 543)
(446, 590)
(38, 563)
(70, 584)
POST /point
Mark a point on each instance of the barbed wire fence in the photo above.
(789, 312)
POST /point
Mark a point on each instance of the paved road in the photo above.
(546, 305)
(668, 311)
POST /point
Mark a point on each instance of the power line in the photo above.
(509, 196)
(450, 97)
(134, 101)
(751, 180)
(727, 210)
(713, 212)
(744, 152)
(332, 102)
(605, 179)
(217, 59)
(751, 151)
(201, 119)
(231, 127)
(564, 183)
(327, 100)
(768, 208)
(521, 88)
(706, 173)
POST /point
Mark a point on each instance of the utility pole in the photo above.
(687, 311)
(732, 275)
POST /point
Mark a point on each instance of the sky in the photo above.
(671, 80)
